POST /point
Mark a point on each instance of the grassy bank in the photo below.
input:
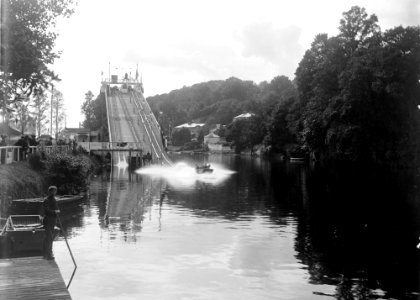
(69, 172)
(19, 180)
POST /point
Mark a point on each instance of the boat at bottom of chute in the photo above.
(206, 168)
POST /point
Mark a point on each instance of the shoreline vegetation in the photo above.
(354, 99)
(19, 180)
(69, 171)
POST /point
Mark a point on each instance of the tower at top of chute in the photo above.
(124, 83)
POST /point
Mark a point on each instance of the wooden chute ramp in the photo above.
(131, 123)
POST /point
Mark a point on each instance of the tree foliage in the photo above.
(360, 91)
(58, 114)
(27, 48)
(27, 45)
(181, 137)
(95, 114)
(213, 102)
(22, 117)
(354, 98)
(68, 172)
(88, 109)
(245, 133)
(40, 105)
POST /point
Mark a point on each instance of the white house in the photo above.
(216, 143)
(194, 128)
(212, 138)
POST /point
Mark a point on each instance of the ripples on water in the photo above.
(247, 231)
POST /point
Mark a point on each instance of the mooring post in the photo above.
(141, 158)
(137, 159)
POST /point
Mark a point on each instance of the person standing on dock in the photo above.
(50, 218)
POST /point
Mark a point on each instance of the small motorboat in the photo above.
(34, 205)
(206, 168)
(21, 234)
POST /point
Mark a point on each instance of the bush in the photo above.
(180, 137)
(79, 150)
(191, 146)
(35, 161)
(68, 172)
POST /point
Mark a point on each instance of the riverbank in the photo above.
(22, 180)
(19, 180)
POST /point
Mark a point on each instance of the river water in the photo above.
(252, 229)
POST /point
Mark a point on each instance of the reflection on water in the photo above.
(250, 230)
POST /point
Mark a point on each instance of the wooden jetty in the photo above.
(31, 278)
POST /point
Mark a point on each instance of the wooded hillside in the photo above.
(355, 98)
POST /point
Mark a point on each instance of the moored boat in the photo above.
(22, 234)
(34, 205)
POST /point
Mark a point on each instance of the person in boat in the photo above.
(205, 166)
(149, 157)
(51, 212)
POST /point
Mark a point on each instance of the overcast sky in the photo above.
(180, 43)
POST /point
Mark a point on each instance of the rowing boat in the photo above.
(34, 205)
(22, 234)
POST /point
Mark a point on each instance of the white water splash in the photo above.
(122, 163)
(183, 174)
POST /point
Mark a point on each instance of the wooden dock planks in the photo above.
(31, 278)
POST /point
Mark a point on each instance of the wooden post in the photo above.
(141, 158)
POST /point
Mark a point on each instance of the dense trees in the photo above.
(27, 45)
(95, 113)
(246, 133)
(214, 102)
(354, 98)
(27, 49)
(26, 55)
(88, 108)
(181, 137)
(218, 102)
(360, 91)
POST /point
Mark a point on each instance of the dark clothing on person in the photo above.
(50, 218)
(3, 151)
(32, 141)
(24, 143)
(147, 159)
(50, 206)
